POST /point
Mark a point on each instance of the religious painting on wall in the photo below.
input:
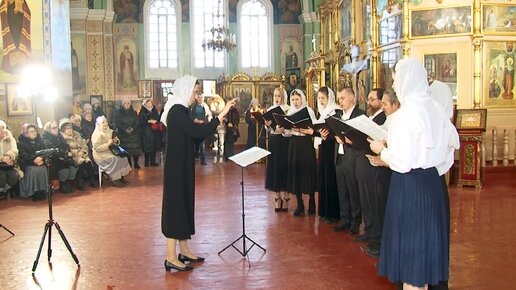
(441, 22)
(291, 54)
(345, 19)
(499, 19)
(498, 75)
(443, 67)
(244, 91)
(78, 51)
(126, 66)
(388, 58)
(127, 11)
(266, 94)
(16, 104)
(145, 89)
(286, 11)
(18, 24)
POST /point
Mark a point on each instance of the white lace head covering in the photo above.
(293, 109)
(182, 93)
(99, 120)
(329, 109)
(284, 106)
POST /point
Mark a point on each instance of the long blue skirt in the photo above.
(414, 245)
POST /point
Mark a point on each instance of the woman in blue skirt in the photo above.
(420, 146)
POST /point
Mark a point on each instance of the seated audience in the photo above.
(10, 173)
(35, 180)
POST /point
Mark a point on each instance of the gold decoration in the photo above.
(469, 162)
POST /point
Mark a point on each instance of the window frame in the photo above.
(163, 73)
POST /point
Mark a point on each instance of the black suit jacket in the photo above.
(365, 171)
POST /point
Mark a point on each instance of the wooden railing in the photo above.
(498, 147)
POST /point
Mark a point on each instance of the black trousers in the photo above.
(347, 184)
(367, 192)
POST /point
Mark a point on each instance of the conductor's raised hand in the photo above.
(226, 109)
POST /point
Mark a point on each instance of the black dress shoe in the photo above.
(184, 258)
(353, 230)
(361, 238)
(341, 227)
(373, 252)
(169, 266)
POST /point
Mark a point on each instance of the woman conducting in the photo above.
(177, 218)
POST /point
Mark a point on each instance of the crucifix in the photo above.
(355, 67)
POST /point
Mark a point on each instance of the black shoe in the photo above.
(118, 183)
(125, 182)
(80, 184)
(63, 187)
(169, 266)
(353, 230)
(184, 258)
(278, 203)
(203, 163)
(361, 238)
(329, 220)
(373, 252)
(137, 166)
(154, 164)
(300, 210)
(342, 227)
(94, 182)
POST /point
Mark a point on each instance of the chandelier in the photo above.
(221, 38)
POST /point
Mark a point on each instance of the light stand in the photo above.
(12, 234)
(244, 159)
(51, 222)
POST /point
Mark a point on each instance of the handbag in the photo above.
(118, 150)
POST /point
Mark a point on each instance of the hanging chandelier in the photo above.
(221, 38)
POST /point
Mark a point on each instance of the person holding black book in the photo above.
(329, 209)
(277, 161)
(302, 173)
(349, 200)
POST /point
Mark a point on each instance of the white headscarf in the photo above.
(442, 94)
(99, 120)
(285, 107)
(304, 104)
(330, 108)
(430, 120)
(182, 93)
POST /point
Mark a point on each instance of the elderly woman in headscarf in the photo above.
(302, 173)
(115, 166)
(177, 219)
(277, 161)
(149, 117)
(97, 110)
(10, 173)
(35, 180)
(79, 150)
(329, 208)
(420, 148)
(128, 125)
(251, 122)
(63, 167)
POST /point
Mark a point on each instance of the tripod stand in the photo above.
(2, 226)
(244, 159)
(51, 222)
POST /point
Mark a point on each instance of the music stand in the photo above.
(2, 226)
(243, 160)
(48, 226)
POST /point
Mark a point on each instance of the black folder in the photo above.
(258, 116)
(268, 116)
(342, 130)
(300, 120)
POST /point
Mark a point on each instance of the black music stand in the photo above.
(243, 160)
(2, 226)
(47, 154)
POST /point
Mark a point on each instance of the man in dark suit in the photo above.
(373, 183)
(349, 201)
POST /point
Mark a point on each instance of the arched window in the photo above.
(204, 17)
(255, 21)
(162, 34)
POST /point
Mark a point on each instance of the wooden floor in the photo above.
(116, 235)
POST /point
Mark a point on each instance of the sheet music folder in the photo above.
(300, 119)
(249, 156)
(268, 116)
(341, 129)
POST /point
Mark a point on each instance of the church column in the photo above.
(477, 54)
(109, 71)
(95, 53)
(405, 42)
(374, 44)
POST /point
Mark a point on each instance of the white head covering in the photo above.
(3, 124)
(285, 107)
(429, 119)
(182, 93)
(442, 94)
(99, 121)
(293, 109)
(330, 108)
